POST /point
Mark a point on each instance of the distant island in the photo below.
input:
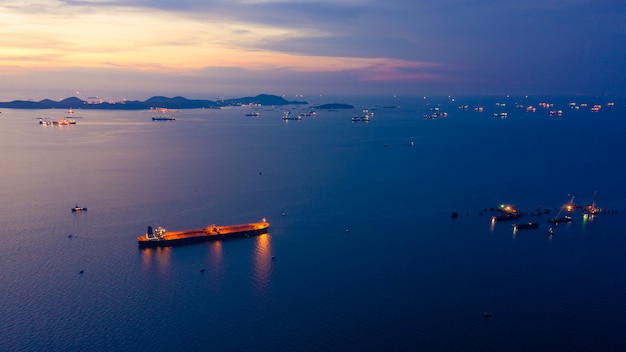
(334, 106)
(154, 102)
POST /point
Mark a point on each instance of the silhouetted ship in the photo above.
(525, 226)
(558, 220)
(160, 237)
(567, 207)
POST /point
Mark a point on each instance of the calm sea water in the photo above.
(366, 255)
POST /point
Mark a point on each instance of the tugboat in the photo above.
(77, 209)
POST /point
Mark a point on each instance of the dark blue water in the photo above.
(366, 256)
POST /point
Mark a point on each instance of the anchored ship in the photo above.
(159, 236)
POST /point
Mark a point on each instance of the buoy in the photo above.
(69, 236)
(487, 314)
(347, 230)
(82, 271)
(283, 214)
(201, 270)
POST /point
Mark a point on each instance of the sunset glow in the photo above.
(331, 47)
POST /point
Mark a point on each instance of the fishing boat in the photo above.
(159, 236)
(163, 118)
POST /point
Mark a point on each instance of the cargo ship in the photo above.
(159, 236)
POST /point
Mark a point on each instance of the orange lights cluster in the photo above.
(596, 108)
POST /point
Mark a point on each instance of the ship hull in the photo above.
(203, 235)
(530, 225)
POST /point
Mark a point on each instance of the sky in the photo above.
(134, 49)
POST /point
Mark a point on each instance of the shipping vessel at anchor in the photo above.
(161, 237)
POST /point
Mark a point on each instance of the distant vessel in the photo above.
(287, 116)
(161, 237)
(163, 118)
(508, 212)
(77, 209)
(310, 113)
(528, 225)
(569, 207)
(558, 220)
(356, 118)
(254, 113)
(48, 122)
(593, 208)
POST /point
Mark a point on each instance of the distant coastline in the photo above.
(156, 101)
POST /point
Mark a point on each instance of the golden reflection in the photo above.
(493, 223)
(215, 254)
(262, 261)
(159, 256)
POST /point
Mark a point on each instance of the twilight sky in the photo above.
(134, 49)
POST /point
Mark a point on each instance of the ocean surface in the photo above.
(362, 253)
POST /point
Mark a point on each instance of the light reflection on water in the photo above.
(262, 262)
(157, 257)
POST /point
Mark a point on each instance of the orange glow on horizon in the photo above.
(126, 38)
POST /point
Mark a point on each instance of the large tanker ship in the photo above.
(161, 237)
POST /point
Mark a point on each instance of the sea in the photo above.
(362, 253)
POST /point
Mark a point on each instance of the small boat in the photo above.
(254, 114)
(525, 226)
(163, 118)
(78, 209)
